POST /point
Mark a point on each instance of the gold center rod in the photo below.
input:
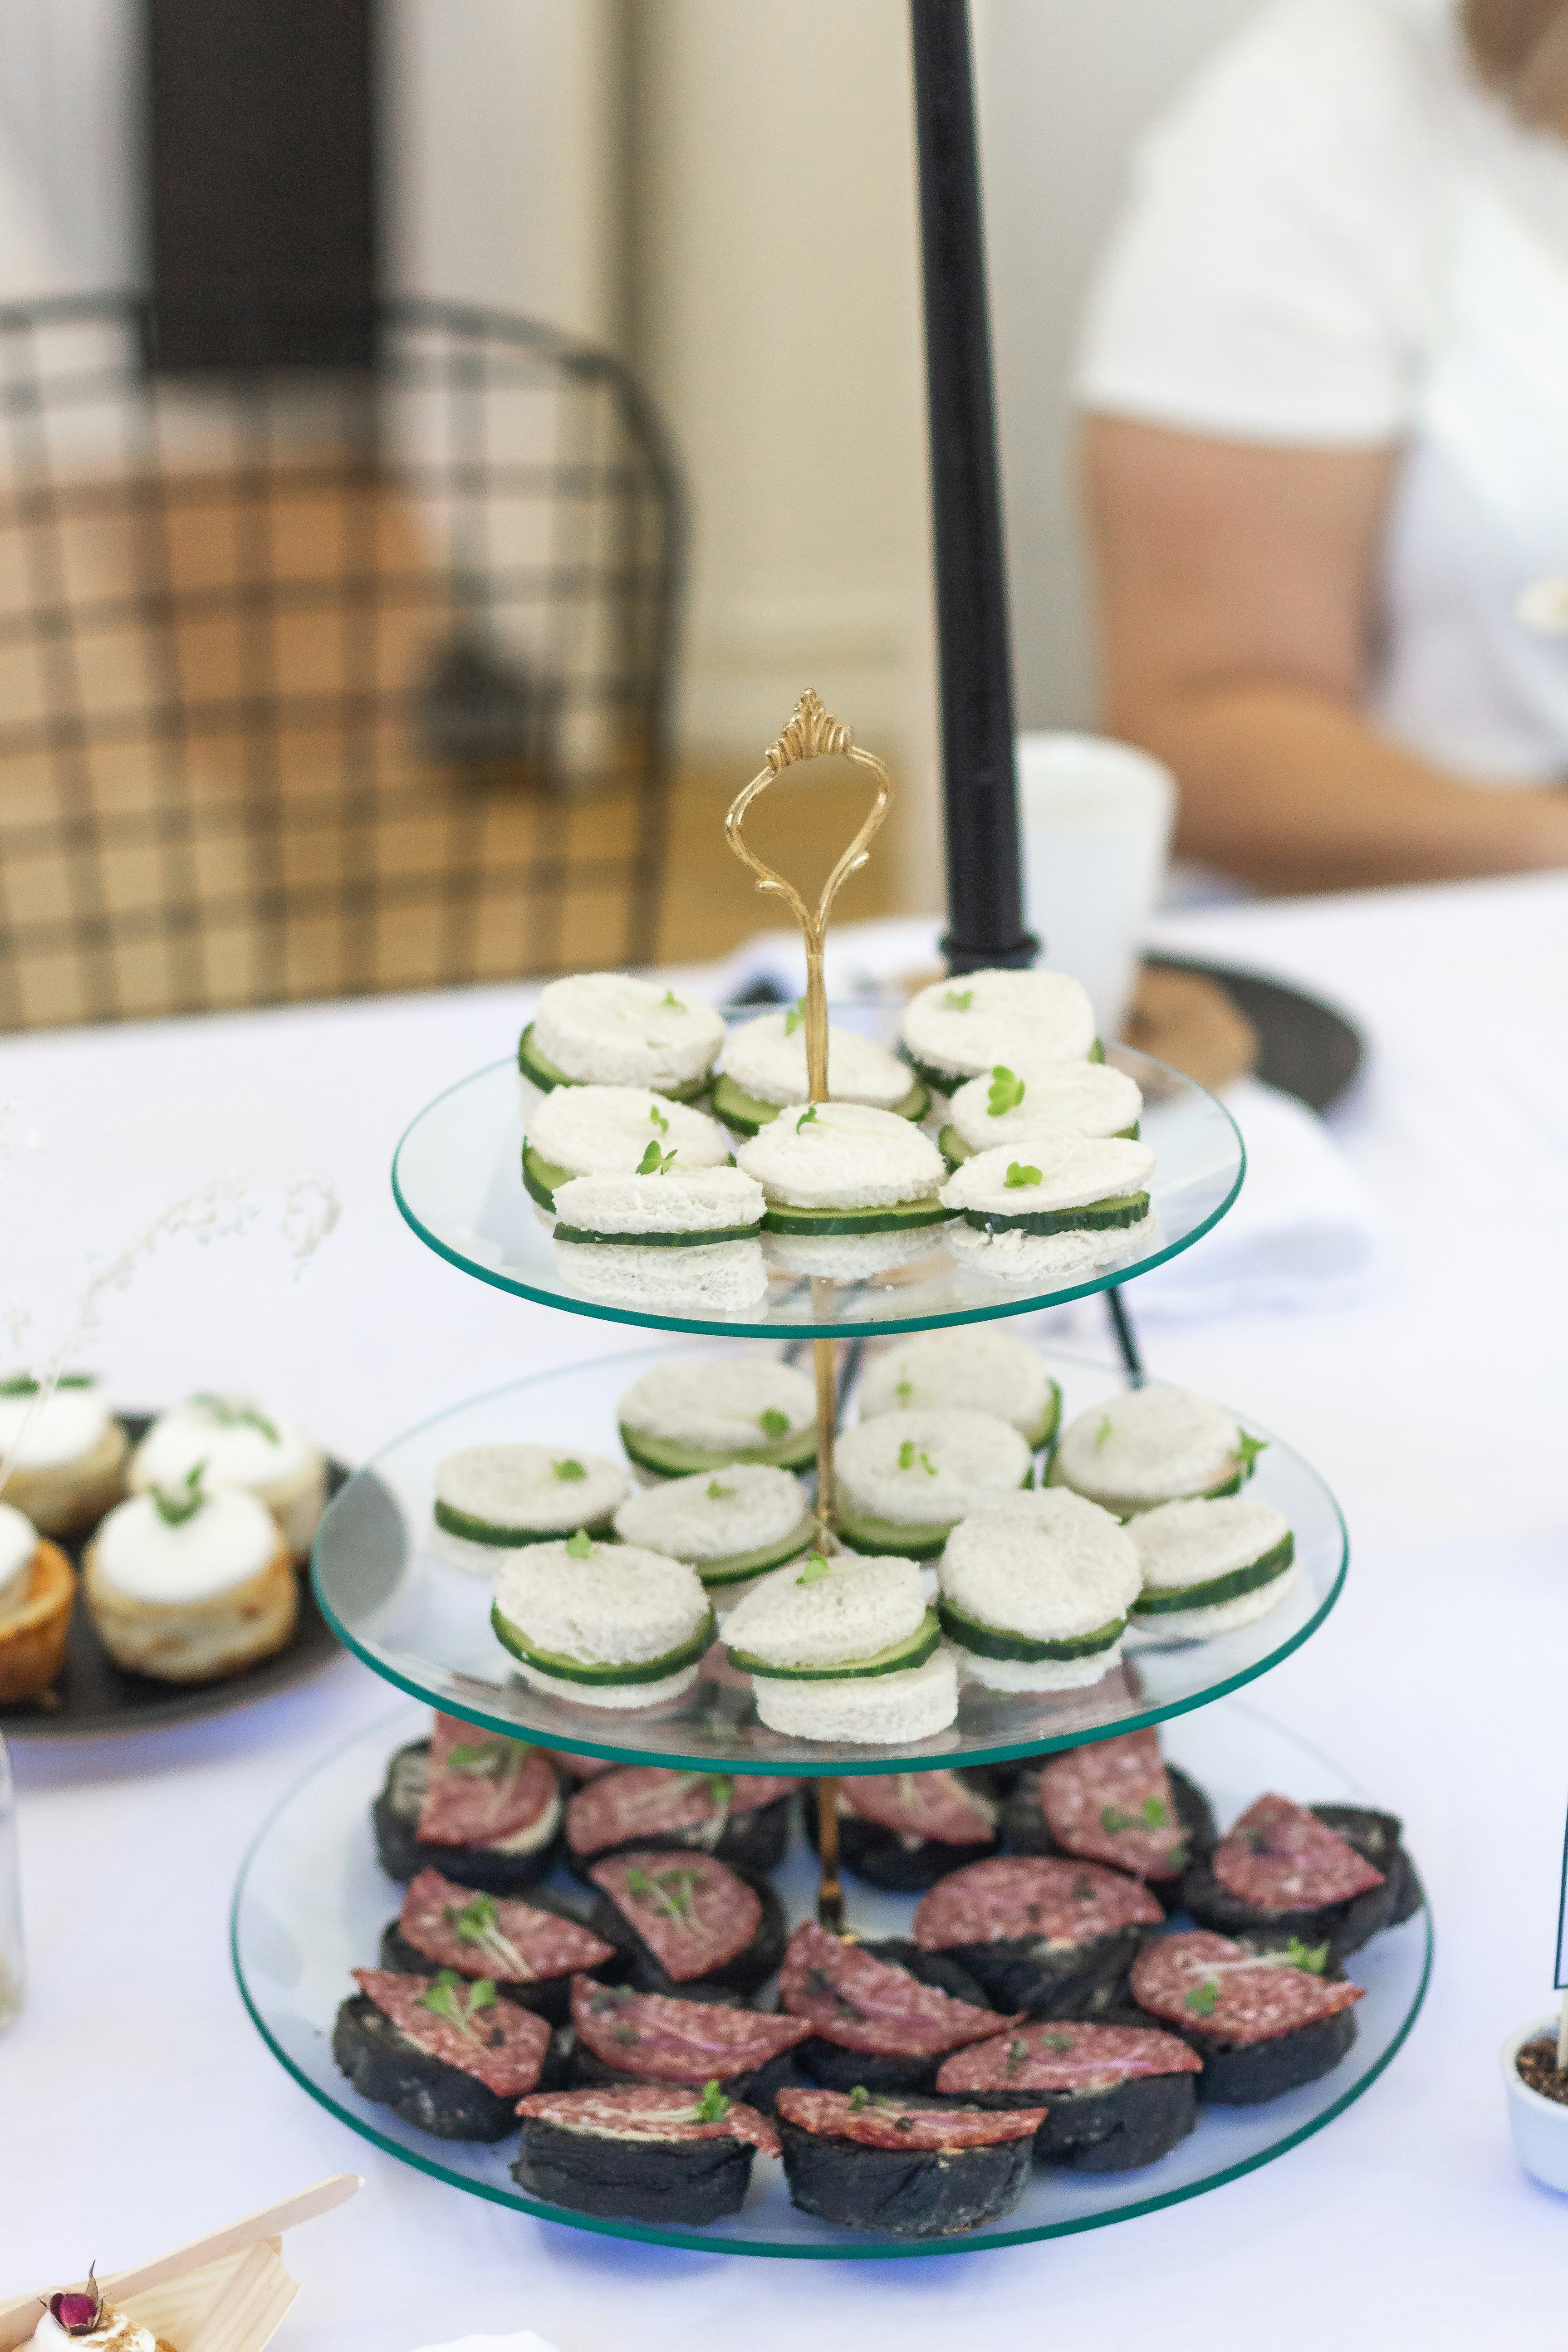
(830, 1894)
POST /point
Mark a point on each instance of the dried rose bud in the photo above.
(77, 2314)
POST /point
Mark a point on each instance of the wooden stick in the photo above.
(1562, 2036)
(829, 1893)
(824, 1361)
(18, 2320)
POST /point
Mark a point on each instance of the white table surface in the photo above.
(137, 2105)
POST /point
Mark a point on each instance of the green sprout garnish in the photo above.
(806, 1118)
(792, 1019)
(859, 2097)
(1313, 1958)
(1020, 1175)
(712, 2107)
(1247, 1452)
(444, 1997)
(1017, 2053)
(24, 1384)
(669, 997)
(1103, 1432)
(815, 1569)
(175, 1504)
(236, 1412)
(569, 1469)
(959, 1000)
(1151, 1815)
(485, 1756)
(579, 1545)
(654, 1162)
(717, 1494)
(772, 1422)
(1030, 1479)
(904, 1391)
(1202, 2000)
(1006, 1091)
(928, 1465)
(479, 1922)
(659, 1119)
(671, 1892)
(907, 1455)
(1057, 2042)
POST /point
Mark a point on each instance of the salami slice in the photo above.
(483, 1789)
(1210, 1986)
(487, 1936)
(904, 2125)
(940, 1806)
(1020, 1897)
(650, 2112)
(666, 2041)
(691, 1912)
(501, 2045)
(1280, 1857)
(870, 2005)
(646, 1801)
(1112, 1803)
(1063, 2056)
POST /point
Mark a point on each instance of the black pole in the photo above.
(984, 896)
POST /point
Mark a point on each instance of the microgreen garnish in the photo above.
(859, 2097)
(907, 1455)
(928, 1465)
(1151, 1815)
(1006, 1091)
(959, 1000)
(444, 1998)
(175, 1504)
(479, 1922)
(671, 1892)
(236, 1412)
(1020, 1175)
(24, 1384)
(568, 1469)
(486, 1757)
(806, 1118)
(654, 1162)
(1017, 2054)
(904, 1391)
(1202, 2000)
(1313, 1958)
(1030, 1479)
(78, 2314)
(1057, 2042)
(1103, 1432)
(794, 1018)
(659, 1119)
(815, 1569)
(669, 997)
(772, 1422)
(717, 1494)
(712, 2107)
(579, 1545)
(1247, 1452)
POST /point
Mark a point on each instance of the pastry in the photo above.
(189, 1586)
(66, 1452)
(238, 1444)
(38, 1592)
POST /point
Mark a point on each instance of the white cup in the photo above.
(1096, 820)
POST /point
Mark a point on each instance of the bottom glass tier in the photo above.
(313, 1900)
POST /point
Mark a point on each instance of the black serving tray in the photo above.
(1304, 1047)
(93, 1697)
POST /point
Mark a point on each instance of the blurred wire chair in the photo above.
(319, 682)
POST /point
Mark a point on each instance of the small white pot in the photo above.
(1539, 2125)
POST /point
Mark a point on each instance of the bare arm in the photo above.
(1235, 588)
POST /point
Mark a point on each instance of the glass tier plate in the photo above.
(424, 1624)
(313, 1900)
(457, 1179)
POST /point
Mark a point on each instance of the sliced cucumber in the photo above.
(940, 1081)
(749, 1114)
(896, 1659)
(742, 1565)
(577, 1670)
(1049, 1422)
(904, 1217)
(505, 1539)
(992, 1641)
(1096, 1217)
(669, 1458)
(863, 1532)
(952, 1147)
(546, 1075)
(1229, 1587)
(916, 1103)
(542, 1176)
(582, 1237)
(1120, 1506)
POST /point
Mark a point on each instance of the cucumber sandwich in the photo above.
(602, 1624)
(962, 1028)
(1074, 1205)
(607, 1029)
(764, 1070)
(1210, 1567)
(905, 1479)
(1154, 1444)
(1036, 1592)
(614, 1132)
(1028, 1106)
(983, 1367)
(844, 1649)
(682, 1416)
(730, 1527)
(664, 1238)
(493, 1499)
(850, 1190)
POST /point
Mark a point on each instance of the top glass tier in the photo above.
(457, 1179)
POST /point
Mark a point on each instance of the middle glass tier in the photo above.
(457, 1179)
(424, 1624)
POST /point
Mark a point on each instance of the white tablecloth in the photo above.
(138, 2107)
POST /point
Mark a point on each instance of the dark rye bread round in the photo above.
(385, 2066)
(1248, 2074)
(662, 2182)
(755, 1841)
(838, 2069)
(918, 2195)
(1085, 1980)
(404, 1854)
(645, 1972)
(882, 1858)
(1025, 1829)
(1115, 2130)
(548, 1997)
(1344, 1927)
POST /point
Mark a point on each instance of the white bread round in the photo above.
(264, 1455)
(984, 1368)
(881, 1710)
(1048, 1566)
(696, 1201)
(717, 1405)
(1010, 1016)
(1074, 1170)
(618, 1694)
(617, 1606)
(861, 1607)
(1151, 1446)
(1220, 1617)
(766, 1059)
(756, 1505)
(850, 1257)
(605, 1131)
(1087, 1098)
(18, 1542)
(714, 1279)
(518, 1486)
(1055, 1258)
(975, 1457)
(844, 1157)
(1193, 1542)
(1041, 1674)
(605, 1028)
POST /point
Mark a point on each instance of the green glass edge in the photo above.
(885, 1327)
(847, 1767)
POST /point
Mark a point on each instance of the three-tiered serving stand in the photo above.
(312, 1901)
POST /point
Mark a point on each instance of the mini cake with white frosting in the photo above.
(66, 1450)
(1154, 1444)
(765, 1068)
(1039, 1101)
(1074, 1205)
(1036, 1592)
(607, 1029)
(37, 1591)
(983, 1367)
(960, 1028)
(238, 1443)
(601, 1624)
(492, 1500)
(189, 1584)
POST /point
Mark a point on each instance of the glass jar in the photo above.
(13, 1973)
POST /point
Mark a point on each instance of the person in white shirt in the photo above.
(1325, 374)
